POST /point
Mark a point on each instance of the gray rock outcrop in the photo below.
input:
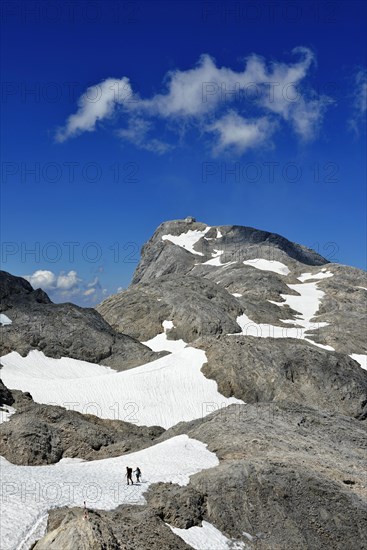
(289, 477)
(285, 369)
(44, 434)
(196, 306)
(62, 330)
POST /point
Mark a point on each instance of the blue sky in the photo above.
(118, 116)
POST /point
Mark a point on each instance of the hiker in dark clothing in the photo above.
(129, 475)
(137, 472)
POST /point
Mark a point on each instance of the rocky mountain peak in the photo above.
(178, 245)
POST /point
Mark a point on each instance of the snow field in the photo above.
(164, 392)
(207, 537)
(161, 342)
(28, 492)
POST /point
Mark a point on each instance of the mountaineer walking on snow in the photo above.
(137, 472)
(129, 474)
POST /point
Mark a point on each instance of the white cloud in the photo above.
(361, 91)
(359, 101)
(137, 133)
(93, 283)
(42, 279)
(66, 286)
(208, 97)
(66, 281)
(89, 291)
(97, 103)
(236, 132)
(189, 93)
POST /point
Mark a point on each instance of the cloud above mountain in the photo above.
(232, 110)
(359, 101)
(66, 286)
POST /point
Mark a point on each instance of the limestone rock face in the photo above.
(161, 257)
(286, 370)
(44, 434)
(62, 330)
(289, 475)
(71, 531)
(196, 306)
(126, 528)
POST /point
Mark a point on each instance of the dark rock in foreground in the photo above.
(127, 528)
(43, 434)
(289, 476)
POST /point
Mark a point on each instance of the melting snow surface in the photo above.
(323, 274)
(161, 342)
(28, 492)
(5, 413)
(219, 236)
(265, 330)
(267, 265)
(36, 365)
(306, 304)
(361, 359)
(4, 320)
(187, 240)
(164, 392)
(216, 261)
(207, 537)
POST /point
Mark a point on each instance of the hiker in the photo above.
(137, 472)
(129, 475)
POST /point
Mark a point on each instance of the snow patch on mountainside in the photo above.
(216, 261)
(161, 342)
(323, 274)
(4, 320)
(207, 537)
(307, 304)
(5, 413)
(187, 240)
(265, 330)
(361, 359)
(30, 491)
(268, 265)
